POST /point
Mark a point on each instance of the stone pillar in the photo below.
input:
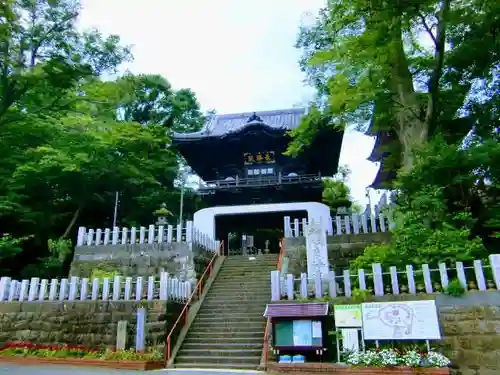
(317, 249)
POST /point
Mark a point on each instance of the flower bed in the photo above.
(33, 354)
(396, 358)
(375, 362)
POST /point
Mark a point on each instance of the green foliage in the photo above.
(425, 233)
(385, 64)
(336, 192)
(447, 209)
(78, 352)
(103, 274)
(9, 247)
(455, 288)
(360, 296)
(70, 140)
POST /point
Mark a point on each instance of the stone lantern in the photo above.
(162, 214)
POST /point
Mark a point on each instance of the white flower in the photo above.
(391, 358)
(412, 359)
(388, 357)
(435, 359)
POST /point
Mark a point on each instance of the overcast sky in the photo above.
(236, 55)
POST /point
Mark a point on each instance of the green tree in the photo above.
(44, 58)
(336, 192)
(69, 140)
(447, 208)
(152, 100)
(411, 68)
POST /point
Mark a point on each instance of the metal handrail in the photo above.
(268, 323)
(185, 311)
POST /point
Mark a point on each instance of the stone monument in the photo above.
(317, 249)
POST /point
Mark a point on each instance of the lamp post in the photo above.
(184, 173)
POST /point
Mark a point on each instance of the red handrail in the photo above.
(185, 311)
(268, 323)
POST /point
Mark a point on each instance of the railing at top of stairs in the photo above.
(183, 316)
(268, 323)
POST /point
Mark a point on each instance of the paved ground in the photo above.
(63, 370)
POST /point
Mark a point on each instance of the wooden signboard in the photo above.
(298, 333)
(259, 158)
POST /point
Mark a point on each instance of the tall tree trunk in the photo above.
(410, 129)
(71, 224)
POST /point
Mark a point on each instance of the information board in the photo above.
(298, 333)
(347, 316)
(283, 333)
(409, 320)
(302, 333)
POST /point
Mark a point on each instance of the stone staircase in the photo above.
(228, 331)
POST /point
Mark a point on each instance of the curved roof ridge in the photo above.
(222, 124)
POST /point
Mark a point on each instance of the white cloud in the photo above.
(236, 55)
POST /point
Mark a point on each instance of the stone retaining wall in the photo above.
(182, 260)
(341, 250)
(88, 323)
(471, 332)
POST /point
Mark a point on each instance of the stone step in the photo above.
(258, 256)
(222, 352)
(216, 323)
(232, 366)
(234, 328)
(246, 262)
(241, 285)
(254, 293)
(257, 270)
(222, 280)
(238, 286)
(218, 304)
(207, 318)
(258, 260)
(229, 339)
(263, 295)
(247, 282)
(262, 292)
(260, 268)
(244, 275)
(254, 267)
(225, 335)
(236, 308)
(240, 313)
(261, 272)
(218, 359)
(257, 300)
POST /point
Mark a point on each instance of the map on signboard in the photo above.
(347, 316)
(302, 333)
(410, 320)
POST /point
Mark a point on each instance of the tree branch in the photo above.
(427, 28)
(71, 223)
(433, 85)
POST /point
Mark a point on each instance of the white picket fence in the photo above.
(333, 285)
(352, 224)
(151, 235)
(116, 289)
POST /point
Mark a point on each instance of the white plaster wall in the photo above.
(204, 220)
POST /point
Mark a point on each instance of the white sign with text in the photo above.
(317, 250)
(409, 320)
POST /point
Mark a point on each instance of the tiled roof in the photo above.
(219, 125)
(296, 310)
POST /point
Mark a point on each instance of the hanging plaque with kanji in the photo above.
(266, 157)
